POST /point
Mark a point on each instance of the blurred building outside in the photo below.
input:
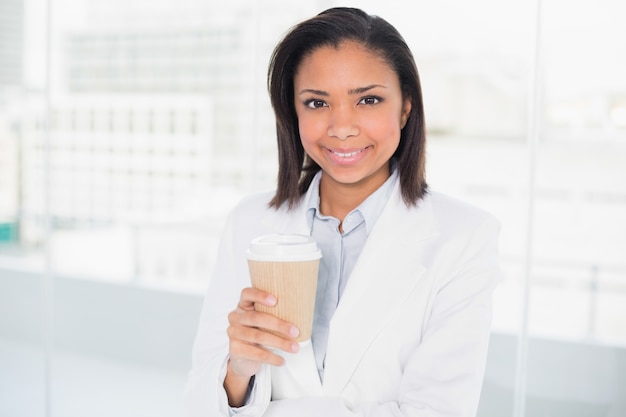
(158, 127)
(158, 122)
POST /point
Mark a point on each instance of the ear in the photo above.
(406, 111)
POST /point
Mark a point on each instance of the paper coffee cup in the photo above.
(287, 266)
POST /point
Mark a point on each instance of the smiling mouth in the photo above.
(347, 157)
(347, 154)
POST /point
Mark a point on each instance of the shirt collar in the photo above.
(370, 209)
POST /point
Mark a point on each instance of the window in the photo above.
(129, 130)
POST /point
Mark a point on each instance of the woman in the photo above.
(403, 305)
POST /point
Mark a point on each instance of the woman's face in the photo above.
(350, 113)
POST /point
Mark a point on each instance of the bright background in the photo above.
(129, 128)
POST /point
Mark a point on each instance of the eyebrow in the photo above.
(361, 90)
(358, 90)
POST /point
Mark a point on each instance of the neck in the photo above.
(338, 199)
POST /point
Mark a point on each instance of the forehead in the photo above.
(343, 61)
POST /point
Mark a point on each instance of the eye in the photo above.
(370, 100)
(315, 103)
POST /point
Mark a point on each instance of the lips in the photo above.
(346, 156)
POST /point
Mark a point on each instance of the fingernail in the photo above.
(295, 347)
(294, 331)
(271, 300)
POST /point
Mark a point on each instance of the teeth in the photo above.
(346, 155)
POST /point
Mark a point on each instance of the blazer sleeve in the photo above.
(204, 394)
(443, 377)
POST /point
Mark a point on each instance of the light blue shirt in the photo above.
(340, 252)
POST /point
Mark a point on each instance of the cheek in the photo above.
(306, 135)
(385, 128)
(310, 128)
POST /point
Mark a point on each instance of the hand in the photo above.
(249, 338)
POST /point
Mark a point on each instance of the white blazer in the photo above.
(409, 336)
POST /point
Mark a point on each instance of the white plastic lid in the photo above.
(283, 248)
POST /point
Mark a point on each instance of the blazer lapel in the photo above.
(386, 272)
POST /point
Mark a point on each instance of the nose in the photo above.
(342, 123)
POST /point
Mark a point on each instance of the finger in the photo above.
(250, 296)
(255, 339)
(265, 321)
(242, 355)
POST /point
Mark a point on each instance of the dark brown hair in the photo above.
(330, 28)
